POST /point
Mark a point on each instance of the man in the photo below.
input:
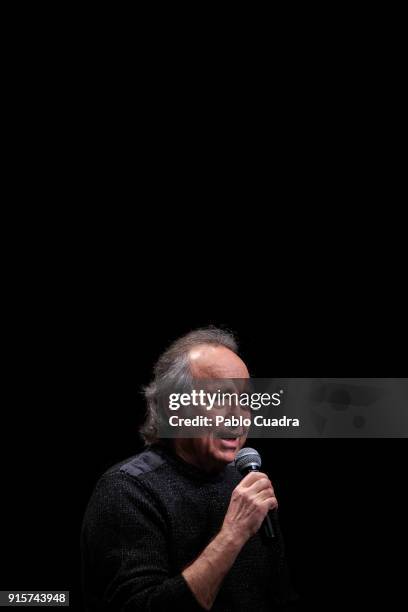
(177, 527)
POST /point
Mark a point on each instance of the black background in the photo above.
(341, 501)
(310, 288)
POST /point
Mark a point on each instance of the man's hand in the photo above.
(251, 500)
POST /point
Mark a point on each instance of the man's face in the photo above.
(212, 452)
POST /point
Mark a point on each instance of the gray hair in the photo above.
(172, 370)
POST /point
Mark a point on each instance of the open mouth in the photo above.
(229, 444)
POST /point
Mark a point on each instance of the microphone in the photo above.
(249, 460)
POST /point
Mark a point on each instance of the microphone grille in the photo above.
(245, 457)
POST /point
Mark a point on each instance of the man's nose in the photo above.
(235, 409)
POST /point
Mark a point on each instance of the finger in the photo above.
(262, 495)
(271, 503)
(265, 497)
(260, 485)
(252, 477)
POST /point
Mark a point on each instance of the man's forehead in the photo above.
(209, 361)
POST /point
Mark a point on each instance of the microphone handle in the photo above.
(267, 527)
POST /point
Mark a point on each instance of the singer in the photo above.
(178, 527)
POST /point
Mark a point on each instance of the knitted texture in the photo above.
(152, 515)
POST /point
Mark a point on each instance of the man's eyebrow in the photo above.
(231, 389)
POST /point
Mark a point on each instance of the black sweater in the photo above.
(152, 515)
